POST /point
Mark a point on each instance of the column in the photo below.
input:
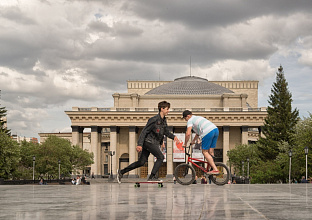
(134, 98)
(170, 155)
(96, 149)
(226, 142)
(116, 100)
(114, 130)
(132, 150)
(75, 135)
(225, 99)
(244, 98)
(244, 134)
(260, 129)
(80, 137)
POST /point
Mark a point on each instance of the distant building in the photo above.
(19, 139)
(231, 105)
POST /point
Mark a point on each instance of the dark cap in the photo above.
(186, 113)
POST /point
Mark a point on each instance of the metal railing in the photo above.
(173, 109)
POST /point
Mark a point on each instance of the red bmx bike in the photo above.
(185, 173)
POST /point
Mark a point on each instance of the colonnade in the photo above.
(96, 168)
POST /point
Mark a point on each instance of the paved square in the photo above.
(173, 201)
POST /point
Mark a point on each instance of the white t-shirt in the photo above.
(201, 125)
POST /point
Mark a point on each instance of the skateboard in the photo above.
(160, 184)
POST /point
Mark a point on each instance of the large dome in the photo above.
(189, 85)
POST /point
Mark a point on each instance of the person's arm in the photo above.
(147, 129)
(188, 135)
(170, 135)
(195, 139)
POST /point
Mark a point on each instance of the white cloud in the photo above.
(8, 3)
(237, 70)
(12, 80)
(59, 53)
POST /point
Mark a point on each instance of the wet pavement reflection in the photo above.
(173, 201)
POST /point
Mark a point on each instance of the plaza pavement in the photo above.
(109, 200)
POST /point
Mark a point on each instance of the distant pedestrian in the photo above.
(303, 180)
(203, 180)
(78, 181)
(195, 181)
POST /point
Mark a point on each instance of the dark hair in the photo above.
(186, 113)
(163, 104)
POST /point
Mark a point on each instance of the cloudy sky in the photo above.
(55, 54)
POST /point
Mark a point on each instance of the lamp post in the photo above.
(230, 163)
(248, 167)
(59, 163)
(290, 154)
(243, 167)
(111, 153)
(306, 151)
(34, 161)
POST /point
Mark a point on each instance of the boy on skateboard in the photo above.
(208, 133)
(149, 141)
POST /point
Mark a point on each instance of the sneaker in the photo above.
(216, 172)
(119, 176)
(153, 179)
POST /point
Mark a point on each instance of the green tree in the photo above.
(2, 122)
(266, 172)
(303, 138)
(241, 153)
(260, 171)
(54, 149)
(27, 151)
(9, 156)
(281, 120)
(80, 158)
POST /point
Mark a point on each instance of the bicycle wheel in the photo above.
(224, 175)
(184, 174)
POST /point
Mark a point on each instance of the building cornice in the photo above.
(134, 118)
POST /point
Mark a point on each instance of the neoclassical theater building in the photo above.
(231, 105)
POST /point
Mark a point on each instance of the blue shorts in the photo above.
(210, 140)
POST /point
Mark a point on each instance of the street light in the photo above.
(34, 161)
(248, 167)
(243, 167)
(290, 154)
(59, 163)
(306, 151)
(230, 163)
(111, 153)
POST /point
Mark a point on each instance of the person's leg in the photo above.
(141, 161)
(207, 142)
(209, 159)
(155, 150)
(214, 141)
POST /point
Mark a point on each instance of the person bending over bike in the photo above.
(208, 133)
(150, 139)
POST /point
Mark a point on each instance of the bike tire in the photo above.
(224, 175)
(184, 174)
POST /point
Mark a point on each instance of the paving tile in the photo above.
(109, 200)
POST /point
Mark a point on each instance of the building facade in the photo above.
(231, 105)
